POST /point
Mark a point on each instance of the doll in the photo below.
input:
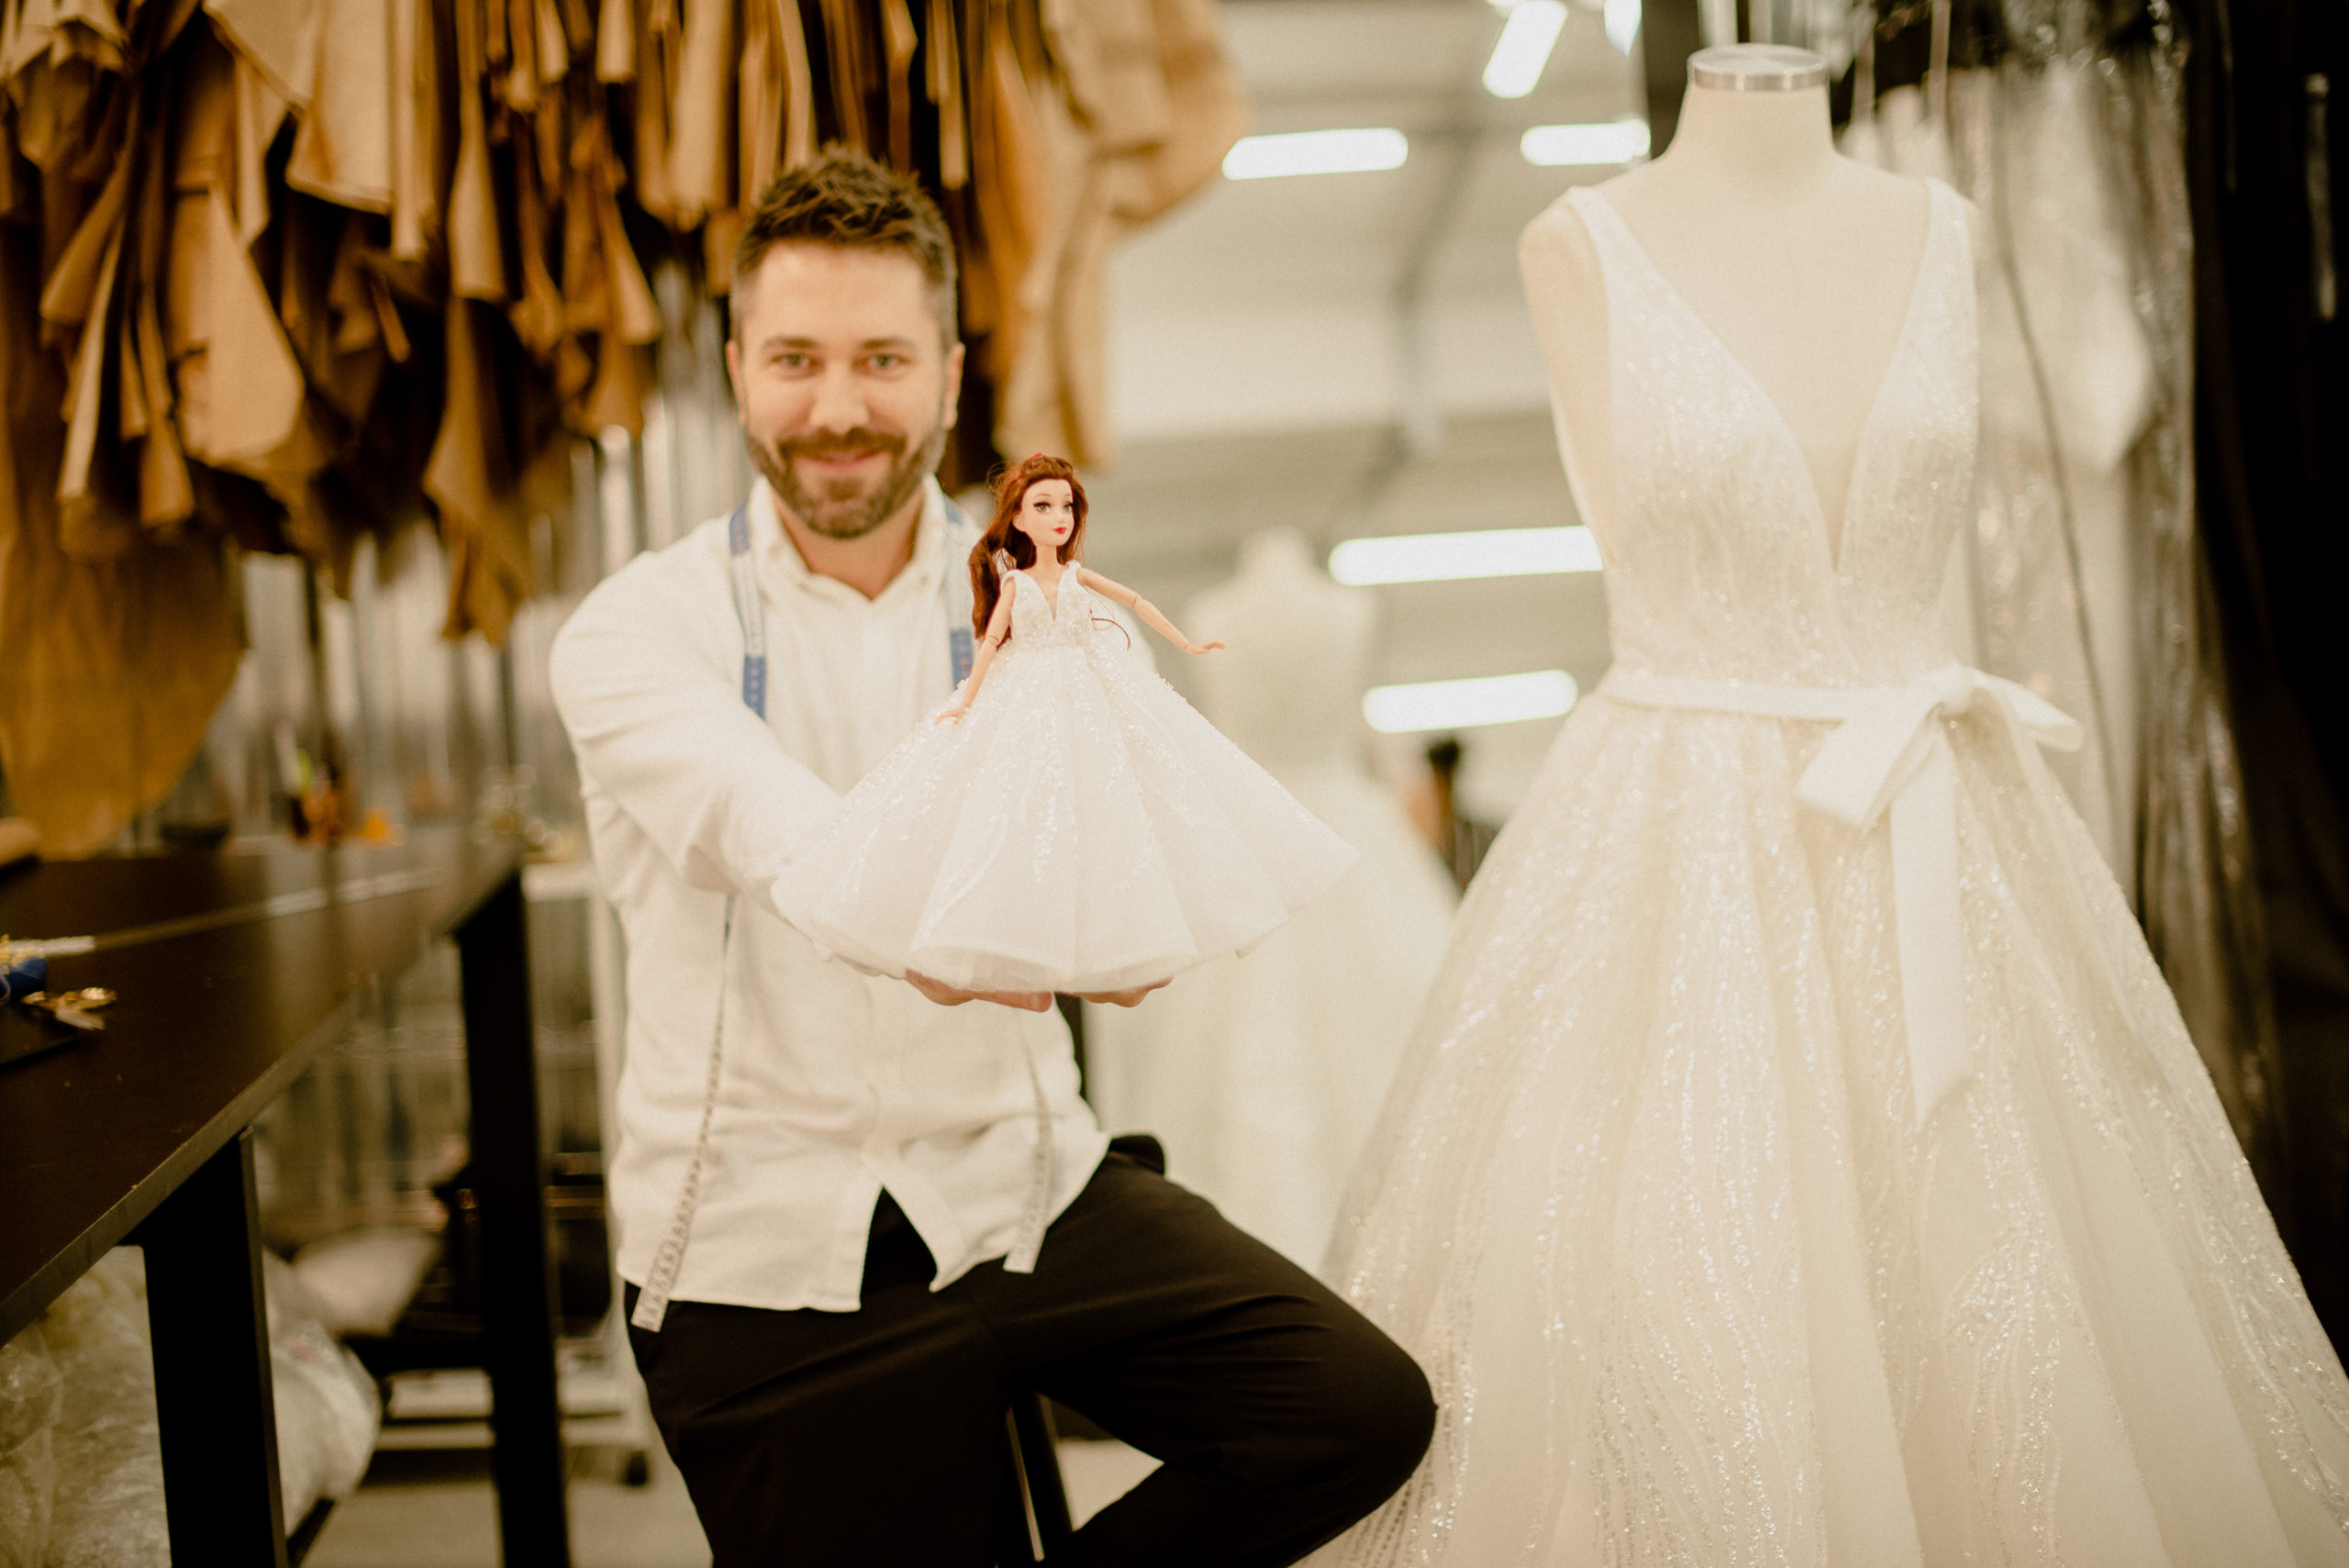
(1066, 822)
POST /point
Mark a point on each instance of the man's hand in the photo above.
(947, 996)
(1122, 998)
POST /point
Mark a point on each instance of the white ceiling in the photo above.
(1278, 303)
(1262, 343)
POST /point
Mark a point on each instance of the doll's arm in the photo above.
(999, 628)
(1118, 594)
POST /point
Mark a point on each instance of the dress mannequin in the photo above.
(1799, 258)
(1287, 688)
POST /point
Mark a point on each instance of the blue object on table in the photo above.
(19, 975)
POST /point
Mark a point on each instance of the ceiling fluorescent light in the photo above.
(1571, 146)
(1446, 558)
(1464, 704)
(1524, 48)
(1315, 152)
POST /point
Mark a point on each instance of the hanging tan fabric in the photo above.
(280, 36)
(488, 478)
(537, 314)
(943, 79)
(605, 299)
(1206, 111)
(1107, 52)
(259, 110)
(1147, 109)
(241, 389)
(615, 42)
(777, 114)
(108, 671)
(898, 40)
(701, 114)
(415, 125)
(344, 148)
(659, 43)
(845, 54)
(477, 253)
(1008, 177)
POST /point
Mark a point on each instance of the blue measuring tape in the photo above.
(750, 610)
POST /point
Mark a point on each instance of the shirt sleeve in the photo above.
(660, 730)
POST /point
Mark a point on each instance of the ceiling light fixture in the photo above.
(1527, 37)
(1582, 146)
(1315, 152)
(1449, 558)
(1464, 704)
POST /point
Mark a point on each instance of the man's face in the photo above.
(845, 389)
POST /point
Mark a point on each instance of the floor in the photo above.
(418, 1510)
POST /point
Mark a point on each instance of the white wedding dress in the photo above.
(1082, 829)
(1780, 1175)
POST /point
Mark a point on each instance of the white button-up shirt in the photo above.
(835, 1084)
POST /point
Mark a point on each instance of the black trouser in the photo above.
(876, 1436)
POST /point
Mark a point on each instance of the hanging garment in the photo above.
(2048, 485)
(491, 470)
(1262, 1075)
(1800, 1159)
(778, 102)
(1140, 113)
(700, 147)
(109, 670)
(2090, 583)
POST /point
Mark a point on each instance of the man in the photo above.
(819, 1173)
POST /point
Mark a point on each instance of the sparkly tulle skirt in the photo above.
(1650, 1204)
(1082, 829)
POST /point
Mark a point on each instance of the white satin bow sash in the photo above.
(1889, 750)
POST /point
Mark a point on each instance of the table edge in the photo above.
(24, 1305)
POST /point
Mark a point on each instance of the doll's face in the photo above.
(1047, 515)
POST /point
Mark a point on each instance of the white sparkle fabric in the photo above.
(1650, 1201)
(1081, 830)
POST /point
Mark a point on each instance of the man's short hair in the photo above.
(842, 197)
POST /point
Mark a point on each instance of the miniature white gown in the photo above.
(1718, 1252)
(1081, 830)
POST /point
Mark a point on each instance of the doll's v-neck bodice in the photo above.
(1039, 619)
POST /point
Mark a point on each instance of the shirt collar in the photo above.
(781, 566)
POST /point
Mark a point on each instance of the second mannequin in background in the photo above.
(1263, 1075)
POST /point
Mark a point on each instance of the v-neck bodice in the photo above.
(1041, 617)
(1719, 561)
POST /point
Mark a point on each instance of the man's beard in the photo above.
(847, 508)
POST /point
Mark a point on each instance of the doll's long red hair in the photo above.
(1011, 489)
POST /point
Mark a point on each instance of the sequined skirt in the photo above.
(1082, 830)
(1650, 1204)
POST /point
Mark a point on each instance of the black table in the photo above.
(142, 1133)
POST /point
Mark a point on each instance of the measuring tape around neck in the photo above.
(750, 613)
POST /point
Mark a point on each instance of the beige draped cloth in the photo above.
(111, 665)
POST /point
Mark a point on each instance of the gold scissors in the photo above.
(78, 1009)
